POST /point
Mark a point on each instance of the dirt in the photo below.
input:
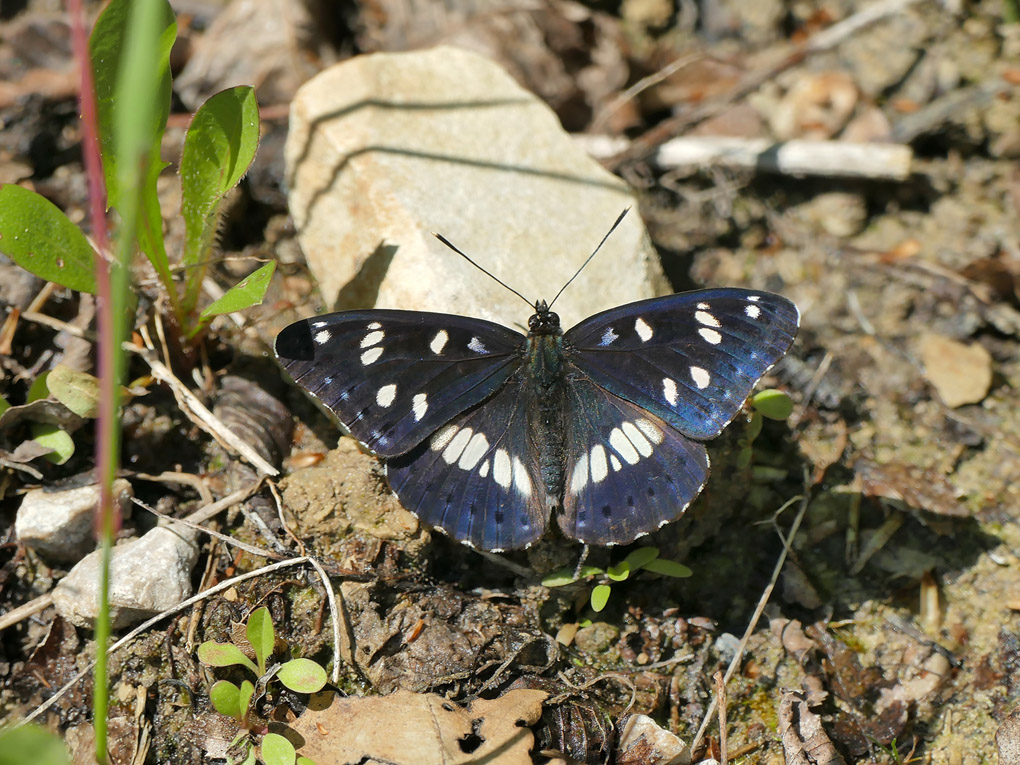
(897, 616)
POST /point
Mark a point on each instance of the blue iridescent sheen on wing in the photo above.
(477, 477)
(627, 471)
(692, 358)
(394, 377)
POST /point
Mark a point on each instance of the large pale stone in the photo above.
(386, 148)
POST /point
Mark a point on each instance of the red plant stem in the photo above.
(107, 446)
(105, 458)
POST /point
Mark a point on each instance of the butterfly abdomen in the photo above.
(547, 423)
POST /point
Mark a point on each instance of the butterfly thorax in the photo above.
(546, 387)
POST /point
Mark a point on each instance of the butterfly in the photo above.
(488, 433)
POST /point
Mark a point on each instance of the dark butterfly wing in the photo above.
(690, 359)
(627, 472)
(394, 377)
(476, 478)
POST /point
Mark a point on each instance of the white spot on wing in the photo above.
(710, 335)
(442, 438)
(322, 337)
(669, 390)
(439, 341)
(385, 395)
(579, 478)
(317, 324)
(608, 336)
(754, 298)
(371, 356)
(753, 311)
(615, 463)
(623, 446)
(644, 331)
(477, 346)
(452, 452)
(707, 319)
(502, 470)
(702, 306)
(374, 325)
(599, 466)
(638, 438)
(521, 480)
(474, 451)
(372, 338)
(420, 405)
(484, 469)
(652, 433)
(701, 377)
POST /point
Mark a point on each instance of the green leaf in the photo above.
(599, 597)
(668, 568)
(246, 293)
(33, 744)
(304, 761)
(261, 636)
(641, 557)
(302, 675)
(118, 119)
(773, 404)
(754, 426)
(277, 750)
(244, 696)
(39, 389)
(744, 457)
(4, 405)
(54, 438)
(565, 576)
(36, 235)
(224, 655)
(619, 572)
(78, 391)
(225, 698)
(218, 150)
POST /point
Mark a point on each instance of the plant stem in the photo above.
(108, 422)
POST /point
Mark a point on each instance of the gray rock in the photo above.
(58, 524)
(384, 149)
(147, 575)
(644, 742)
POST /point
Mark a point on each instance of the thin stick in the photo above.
(224, 585)
(720, 692)
(762, 601)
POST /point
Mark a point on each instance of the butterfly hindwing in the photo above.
(395, 377)
(627, 471)
(476, 477)
(691, 359)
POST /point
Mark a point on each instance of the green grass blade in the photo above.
(261, 636)
(37, 236)
(218, 150)
(107, 45)
(246, 293)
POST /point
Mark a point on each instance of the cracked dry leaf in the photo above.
(804, 738)
(420, 729)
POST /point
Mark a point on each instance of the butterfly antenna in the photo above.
(492, 276)
(608, 234)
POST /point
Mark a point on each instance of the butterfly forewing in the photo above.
(477, 477)
(395, 377)
(690, 359)
(627, 471)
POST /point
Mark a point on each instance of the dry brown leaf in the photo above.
(421, 729)
(961, 374)
(919, 488)
(804, 739)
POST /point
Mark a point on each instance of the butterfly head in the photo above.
(543, 321)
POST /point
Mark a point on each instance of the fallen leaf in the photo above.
(420, 729)
(804, 739)
(961, 374)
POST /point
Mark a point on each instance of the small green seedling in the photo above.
(771, 404)
(641, 559)
(300, 675)
(218, 149)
